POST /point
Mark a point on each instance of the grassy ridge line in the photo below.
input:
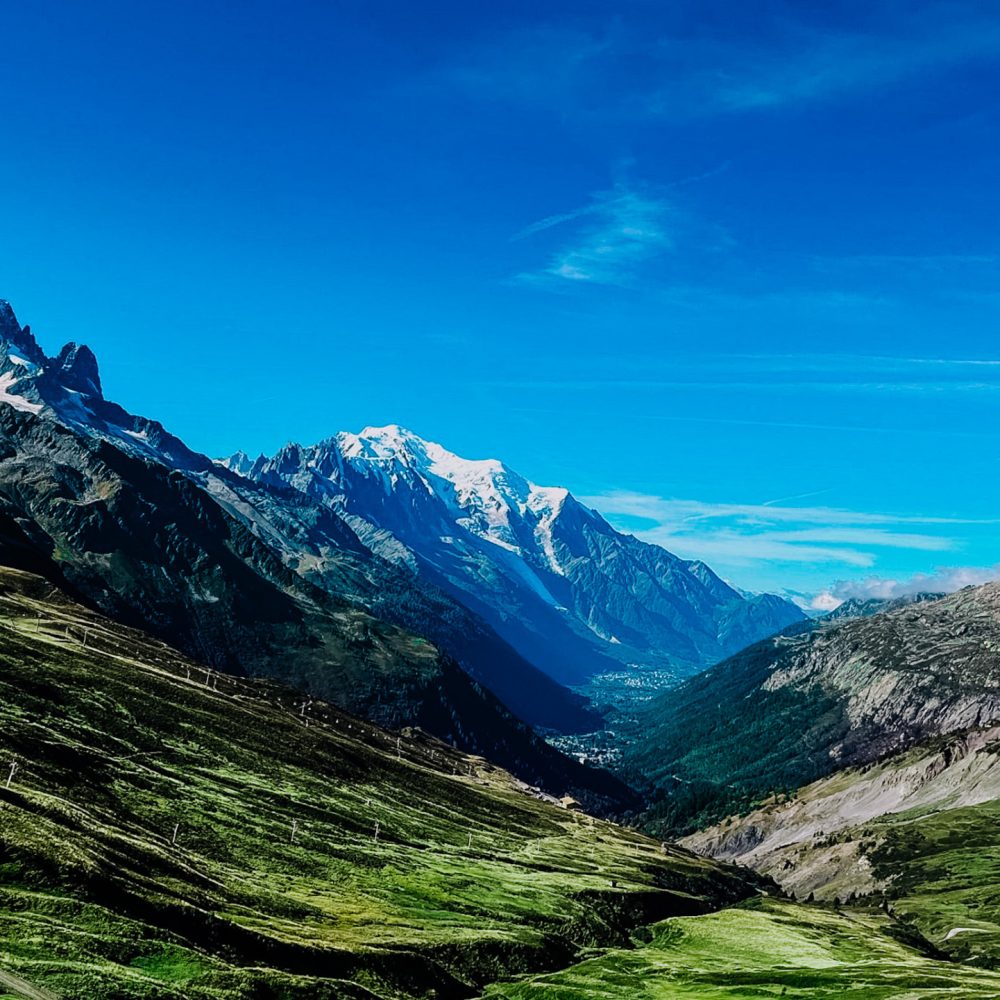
(763, 948)
(165, 839)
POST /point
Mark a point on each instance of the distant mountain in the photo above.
(251, 580)
(862, 607)
(572, 594)
(796, 707)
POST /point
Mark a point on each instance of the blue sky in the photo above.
(729, 270)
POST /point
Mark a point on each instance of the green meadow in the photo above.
(170, 832)
(761, 949)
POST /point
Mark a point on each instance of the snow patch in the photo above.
(18, 402)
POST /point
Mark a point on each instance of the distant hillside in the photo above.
(863, 607)
(172, 833)
(794, 708)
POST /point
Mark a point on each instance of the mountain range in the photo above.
(573, 595)
(369, 600)
(123, 515)
(201, 800)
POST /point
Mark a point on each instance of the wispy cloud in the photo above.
(668, 67)
(825, 65)
(741, 534)
(678, 512)
(922, 262)
(771, 374)
(607, 239)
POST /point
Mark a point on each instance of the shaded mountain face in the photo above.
(552, 576)
(247, 579)
(794, 708)
(308, 537)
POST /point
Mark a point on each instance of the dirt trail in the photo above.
(23, 988)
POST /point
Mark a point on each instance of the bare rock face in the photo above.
(919, 672)
(77, 367)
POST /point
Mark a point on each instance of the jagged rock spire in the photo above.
(16, 335)
(77, 366)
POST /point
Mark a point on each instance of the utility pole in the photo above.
(14, 767)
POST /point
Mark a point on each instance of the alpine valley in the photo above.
(290, 727)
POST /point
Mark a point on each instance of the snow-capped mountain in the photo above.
(126, 515)
(570, 592)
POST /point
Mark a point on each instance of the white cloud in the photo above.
(942, 581)
(824, 602)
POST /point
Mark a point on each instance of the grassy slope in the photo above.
(122, 738)
(921, 830)
(943, 873)
(762, 949)
(721, 741)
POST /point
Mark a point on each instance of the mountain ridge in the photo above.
(551, 575)
(127, 517)
(791, 709)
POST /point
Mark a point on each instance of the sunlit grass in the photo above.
(173, 833)
(762, 949)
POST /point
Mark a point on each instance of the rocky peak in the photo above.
(239, 462)
(77, 368)
(18, 337)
